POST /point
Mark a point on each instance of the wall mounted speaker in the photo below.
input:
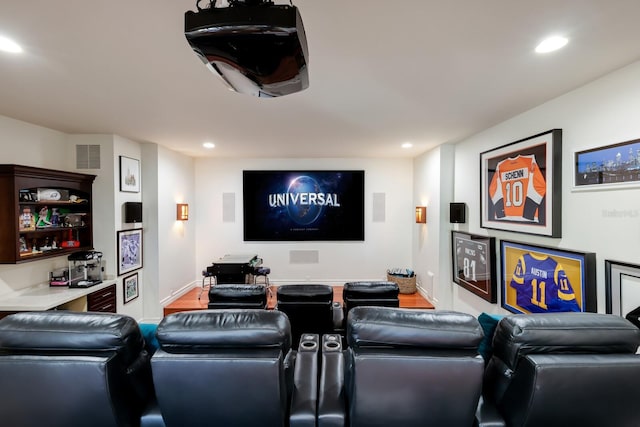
(133, 212)
(457, 213)
(228, 207)
(378, 206)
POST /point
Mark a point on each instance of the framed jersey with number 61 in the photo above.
(473, 264)
(521, 185)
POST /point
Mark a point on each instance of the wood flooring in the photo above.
(190, 301)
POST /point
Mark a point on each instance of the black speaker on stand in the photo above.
(457, 213)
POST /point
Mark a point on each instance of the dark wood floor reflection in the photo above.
(190, 301)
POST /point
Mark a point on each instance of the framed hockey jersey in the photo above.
(521, 185)
(473, 261)
(538, 279)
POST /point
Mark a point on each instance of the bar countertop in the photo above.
(44, 297)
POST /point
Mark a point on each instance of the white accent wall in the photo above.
(26, 144)
(387, 244)
(167, 178)
(601, 113)
(605, 222)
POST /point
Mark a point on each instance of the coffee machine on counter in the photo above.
(85, 269)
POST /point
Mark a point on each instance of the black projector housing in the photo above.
(258, 48)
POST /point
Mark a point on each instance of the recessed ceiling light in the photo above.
(552, 43)
(8, 45)
(407, 145)
(209, 145)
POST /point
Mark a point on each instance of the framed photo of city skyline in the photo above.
(610, 166)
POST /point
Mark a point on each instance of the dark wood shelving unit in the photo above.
(22, 190)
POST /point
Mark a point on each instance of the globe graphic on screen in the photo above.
(299, 213)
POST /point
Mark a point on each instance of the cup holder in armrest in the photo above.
(331, 342)
(308, 342)
(309, 345)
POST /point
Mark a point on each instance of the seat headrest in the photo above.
(204, 330)
(304, 292)
(238, 290)
(67, 332)
(400, 327)
(381, 288)
(521, 334)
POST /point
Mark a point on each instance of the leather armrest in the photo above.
(487, 415)
(331, 393)
(151, 416)
(304, 397)
(338, 317)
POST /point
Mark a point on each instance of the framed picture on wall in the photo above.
(622, 288)
(129, 175)
(129, 250)
(611, 166)
(538, 279)
(521, 185)
(130, 288)
(473, 264)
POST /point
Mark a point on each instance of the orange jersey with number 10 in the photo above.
(517, 183)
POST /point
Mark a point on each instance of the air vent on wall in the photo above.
(87, 157)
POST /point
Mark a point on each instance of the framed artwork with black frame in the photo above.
(129, 175)
(622, 288)
(129, 250)
(539, 279)
(521, 185)
(473, 264)
(130, 288)
(610, 166)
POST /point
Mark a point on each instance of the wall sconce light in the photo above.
(182, 212)
(421, 214)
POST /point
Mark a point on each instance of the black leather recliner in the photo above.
(232, 368)
(403, 368)
(237, 296)
(310, 309)
(563, 369)
(634, 316)
(60, 369)
(378, 294)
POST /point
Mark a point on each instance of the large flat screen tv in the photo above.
(303, 205)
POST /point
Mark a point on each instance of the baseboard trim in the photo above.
(179, 292)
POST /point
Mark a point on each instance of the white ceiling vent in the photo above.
(87, 157)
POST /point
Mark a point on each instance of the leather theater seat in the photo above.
(634, 316)
(60, 369)
(232, 368)
(310, 309)
(237, 296)
(564, 369)
(403, 368)
(379, 294)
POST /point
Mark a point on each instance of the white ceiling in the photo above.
(381, 72)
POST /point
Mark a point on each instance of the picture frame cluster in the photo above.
(521, 192)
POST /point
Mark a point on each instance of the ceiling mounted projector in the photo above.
(257, 47)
